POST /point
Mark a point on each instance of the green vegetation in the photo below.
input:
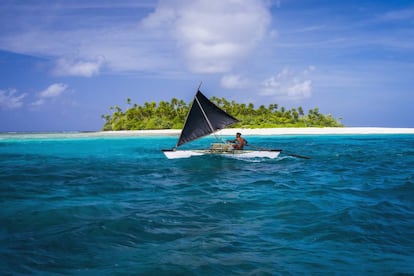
(171, 115)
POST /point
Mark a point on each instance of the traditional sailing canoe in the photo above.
(205, 118)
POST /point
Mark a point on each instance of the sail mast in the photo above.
(202, 111)
(205, 117)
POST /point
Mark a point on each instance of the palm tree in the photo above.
(301, 113)
(172, 114)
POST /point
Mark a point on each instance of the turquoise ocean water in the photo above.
(115, 205)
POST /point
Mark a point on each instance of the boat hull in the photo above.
(177, 154)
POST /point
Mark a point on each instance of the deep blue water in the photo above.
(96, 205)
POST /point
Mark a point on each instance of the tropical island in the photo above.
(172, 115)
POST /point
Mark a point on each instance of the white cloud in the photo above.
(52, 91)
(234, 82)
(213, 36)
(81, 43)
(300, 90)
(289, 84)
(180, 35)
(78, 68)
(38, 102)
(9, 99)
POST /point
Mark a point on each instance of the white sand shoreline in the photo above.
(224, 132)
(271, 131)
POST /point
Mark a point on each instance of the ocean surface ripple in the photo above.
(108, 205)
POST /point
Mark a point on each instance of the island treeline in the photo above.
(172, 114)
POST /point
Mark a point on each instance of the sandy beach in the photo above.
(224, 132)
(270, 131)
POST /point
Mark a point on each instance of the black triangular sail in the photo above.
(203, 119)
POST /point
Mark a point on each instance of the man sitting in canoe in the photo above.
(240, 142)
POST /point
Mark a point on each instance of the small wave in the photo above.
(93, 206)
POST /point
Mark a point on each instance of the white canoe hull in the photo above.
(175, 154)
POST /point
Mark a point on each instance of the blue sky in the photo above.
(64, 63)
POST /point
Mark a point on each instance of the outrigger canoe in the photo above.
(206, 118)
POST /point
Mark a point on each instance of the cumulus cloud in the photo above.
(52, 91)
(10, 99)
(213, 36)
(234, 82)
(289, 84)
(179, 35)
(65, 67)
